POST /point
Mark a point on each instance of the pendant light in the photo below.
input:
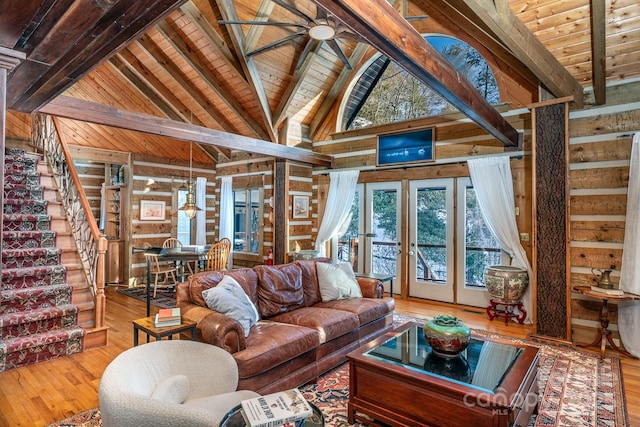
(189, 206)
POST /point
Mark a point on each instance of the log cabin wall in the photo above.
(91, 176)
(599, 149)
(158, 179)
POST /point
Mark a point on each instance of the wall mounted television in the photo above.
(415, 146)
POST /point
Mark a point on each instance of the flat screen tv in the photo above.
(416, 146)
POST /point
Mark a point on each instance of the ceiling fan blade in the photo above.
(416, 18)
(334, 46)
(276, 43)
(311, 45)
(273, 23)
(293, 10)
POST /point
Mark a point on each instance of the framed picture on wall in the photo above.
(301, 206)
(407, 147)
(152, 210)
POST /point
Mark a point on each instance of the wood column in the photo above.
(8, 60)
(550, 203)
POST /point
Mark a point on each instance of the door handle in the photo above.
(412, 253)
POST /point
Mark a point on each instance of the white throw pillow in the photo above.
(174, 389)
(335, 283)
(229, 298)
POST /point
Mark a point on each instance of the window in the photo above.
(184, 222)
(246, 220)
(386, 93)
(481, 249)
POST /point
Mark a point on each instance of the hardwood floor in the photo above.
(40, 394)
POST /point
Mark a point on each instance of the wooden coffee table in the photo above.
(397, 380)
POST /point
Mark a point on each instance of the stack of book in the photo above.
(284, 408)
(605, 291)
(167, 317)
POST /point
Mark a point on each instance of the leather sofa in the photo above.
(303, 339)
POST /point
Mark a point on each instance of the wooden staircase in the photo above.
(46, 305)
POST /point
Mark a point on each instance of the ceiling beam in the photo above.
(213, 82)
(598, 51)
(384, 28)
(524, 45)
(77, 109)
(251, 73)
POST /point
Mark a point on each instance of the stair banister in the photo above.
(91, 243)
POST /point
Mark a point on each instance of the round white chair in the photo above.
(170, 384)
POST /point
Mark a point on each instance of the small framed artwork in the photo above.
(407, 147)
(152, 210)
(301, 206)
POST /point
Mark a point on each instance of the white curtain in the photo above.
(491, 177)
(629, 311)
(342, 189)
(226, 213)
(201, 216)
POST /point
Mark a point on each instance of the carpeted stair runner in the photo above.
(37, 320)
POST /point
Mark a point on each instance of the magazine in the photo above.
(276, 409)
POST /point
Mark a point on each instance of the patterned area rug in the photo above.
(165, 298)
(577, 389)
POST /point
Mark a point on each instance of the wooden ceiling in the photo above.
(171, 59)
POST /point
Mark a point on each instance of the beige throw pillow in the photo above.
(335, 283)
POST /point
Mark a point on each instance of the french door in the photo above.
(382, 230)
(431, 232)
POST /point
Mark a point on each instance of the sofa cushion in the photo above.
(367, 309)
(337, 281)
(174, 389)
(329, 323)
(229, 298)
(279, 288)
(272, 343)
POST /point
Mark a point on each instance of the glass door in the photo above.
(382, 230)
(431, 244)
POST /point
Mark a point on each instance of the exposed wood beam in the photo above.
(255, 31)
(211, 35)
(456, 21)
(403, 44)
(598, 51)
(176, 74)
(251, 73)
(212, 81)
(76, 109)
(337, 89)
(292, 88)
(515, 35)
(113, 25)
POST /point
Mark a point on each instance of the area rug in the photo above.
(165, 298)
(577, 389)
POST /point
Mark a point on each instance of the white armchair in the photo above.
(170, 383)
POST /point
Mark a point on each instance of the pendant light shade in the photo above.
(189, 206)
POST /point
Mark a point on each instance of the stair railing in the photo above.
(91, 243)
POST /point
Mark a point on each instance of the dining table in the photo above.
(180, 257)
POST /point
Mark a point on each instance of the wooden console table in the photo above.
(604, 334)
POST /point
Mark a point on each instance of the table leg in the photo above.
(148, 288)
(135, 336)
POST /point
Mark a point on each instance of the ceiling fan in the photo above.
(324, 28)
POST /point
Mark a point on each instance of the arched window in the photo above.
(385, 93)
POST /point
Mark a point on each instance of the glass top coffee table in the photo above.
(398, 379)
(234, 418)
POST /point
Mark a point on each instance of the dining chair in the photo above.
(172, 242)
(162, 268)
(218, 255)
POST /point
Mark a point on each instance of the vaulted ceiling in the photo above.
(175, 60)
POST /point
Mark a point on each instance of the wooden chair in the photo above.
(218, 255)
(172, 242)
(162, 268)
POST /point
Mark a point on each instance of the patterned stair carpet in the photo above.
(577, 389)
(37, 320)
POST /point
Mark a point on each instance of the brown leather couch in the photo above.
(304, 339)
